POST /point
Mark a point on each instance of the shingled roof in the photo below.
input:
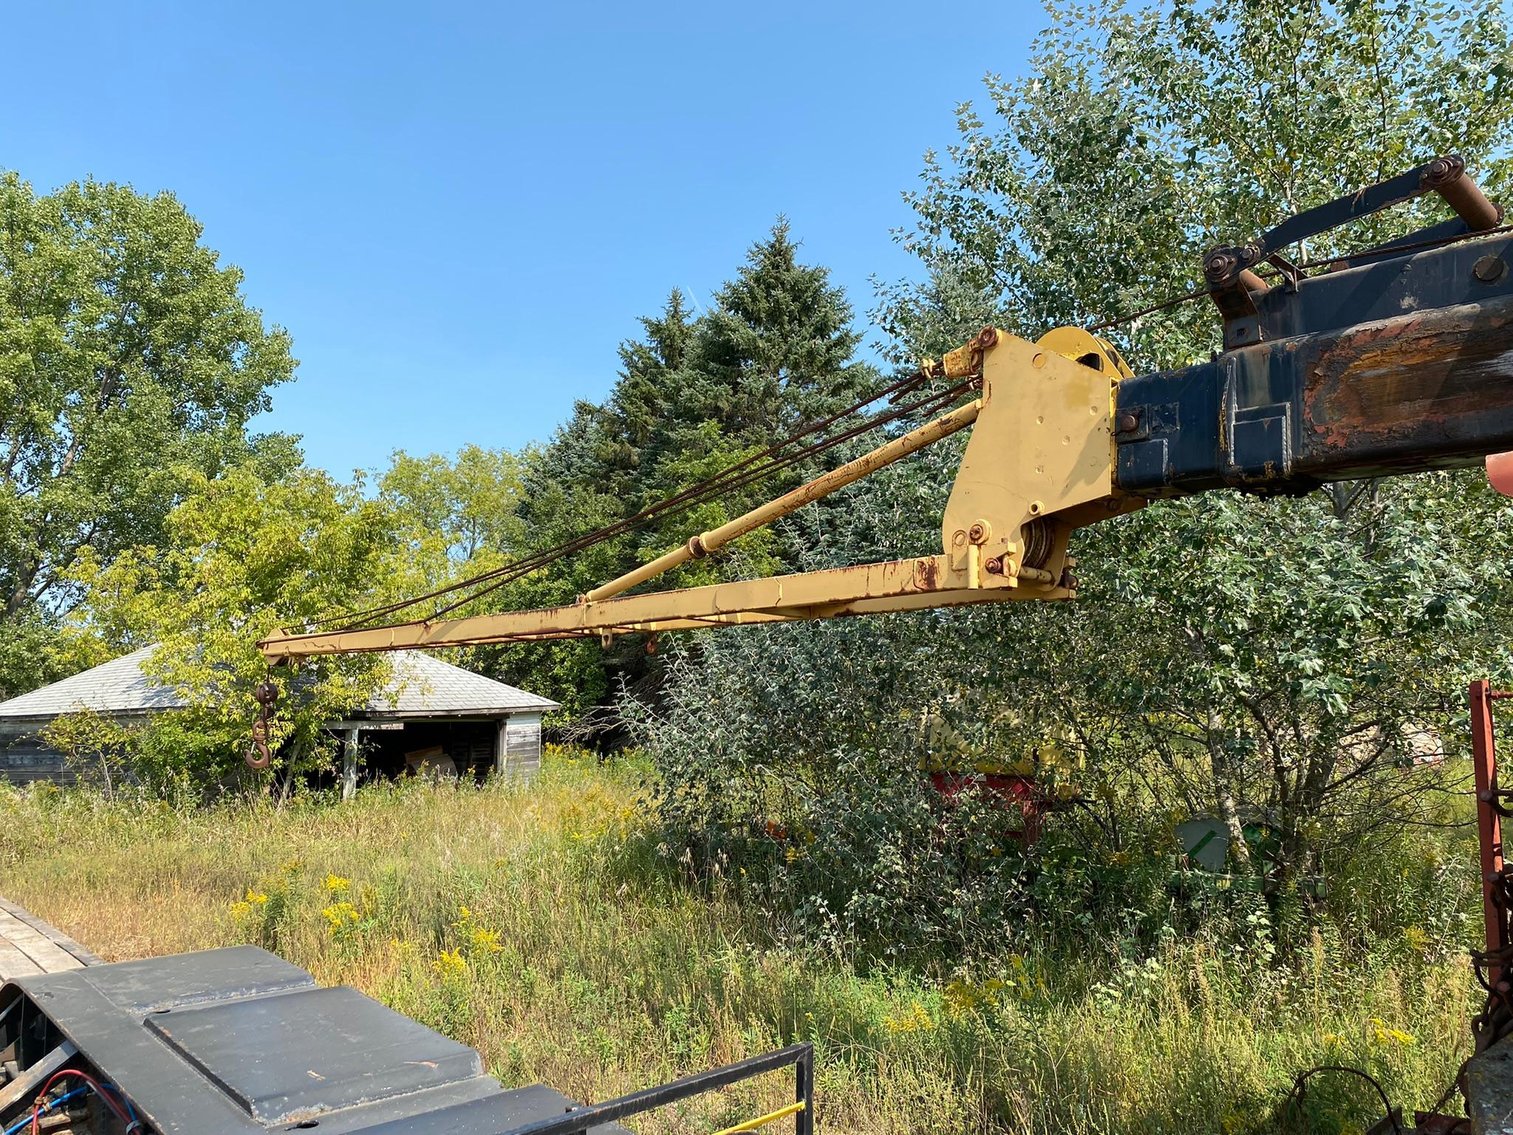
(422, 687)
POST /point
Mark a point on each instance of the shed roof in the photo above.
(422, 686)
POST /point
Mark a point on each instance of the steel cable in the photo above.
(927, 405)
(739, 475)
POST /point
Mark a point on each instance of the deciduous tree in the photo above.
(241, 558)
(130, 364)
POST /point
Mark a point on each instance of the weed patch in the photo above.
(533, 923)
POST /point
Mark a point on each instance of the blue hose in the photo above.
(44, 1109)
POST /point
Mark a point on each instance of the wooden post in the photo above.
(349, 764)
(501, 747)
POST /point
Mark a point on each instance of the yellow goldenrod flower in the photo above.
(915, 1020)
(341, 914)
(450, 964)
(487, 940)
(1383, 1034)
(335, 884)
(961, 998)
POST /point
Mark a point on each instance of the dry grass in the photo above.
(533, 923)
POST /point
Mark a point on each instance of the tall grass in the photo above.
(536, 923)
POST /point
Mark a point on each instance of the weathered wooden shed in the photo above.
(433, 717)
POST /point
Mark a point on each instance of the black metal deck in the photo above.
(238, 1040)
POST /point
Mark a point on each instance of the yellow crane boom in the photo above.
(1395, 359)
(1020, 492)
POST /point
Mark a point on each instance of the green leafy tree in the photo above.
(1141, 138)
(243, 558)
(96, 749)
(1143, 135)
(130, 363)
(1288, 665)
(464, 510)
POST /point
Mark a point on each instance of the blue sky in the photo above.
(459, 210)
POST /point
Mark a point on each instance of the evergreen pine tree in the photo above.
(693, 396)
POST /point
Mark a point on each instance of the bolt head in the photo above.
(1441, 170)
(1490, 269)
(1220, 265)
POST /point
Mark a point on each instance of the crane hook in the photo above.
(258, 755)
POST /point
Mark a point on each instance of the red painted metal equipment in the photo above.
(1492, 962)
(1500, 472)
(1008, 791)
(1484, 1085)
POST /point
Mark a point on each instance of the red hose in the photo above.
(110, 1100)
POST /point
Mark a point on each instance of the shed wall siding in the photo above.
(26, 759)
(522, 744)
(516, 751)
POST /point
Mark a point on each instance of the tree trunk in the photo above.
(1224, 796)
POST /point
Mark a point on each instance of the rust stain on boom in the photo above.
(1408, 389)
(1380, 368)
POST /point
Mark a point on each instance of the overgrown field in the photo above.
(539, 924)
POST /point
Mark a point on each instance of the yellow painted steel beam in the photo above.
(897, 585)
(1041, 452)
(763, 1120)
(838, 478)
(1039, 464)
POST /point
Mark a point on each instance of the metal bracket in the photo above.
(1229, 269)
